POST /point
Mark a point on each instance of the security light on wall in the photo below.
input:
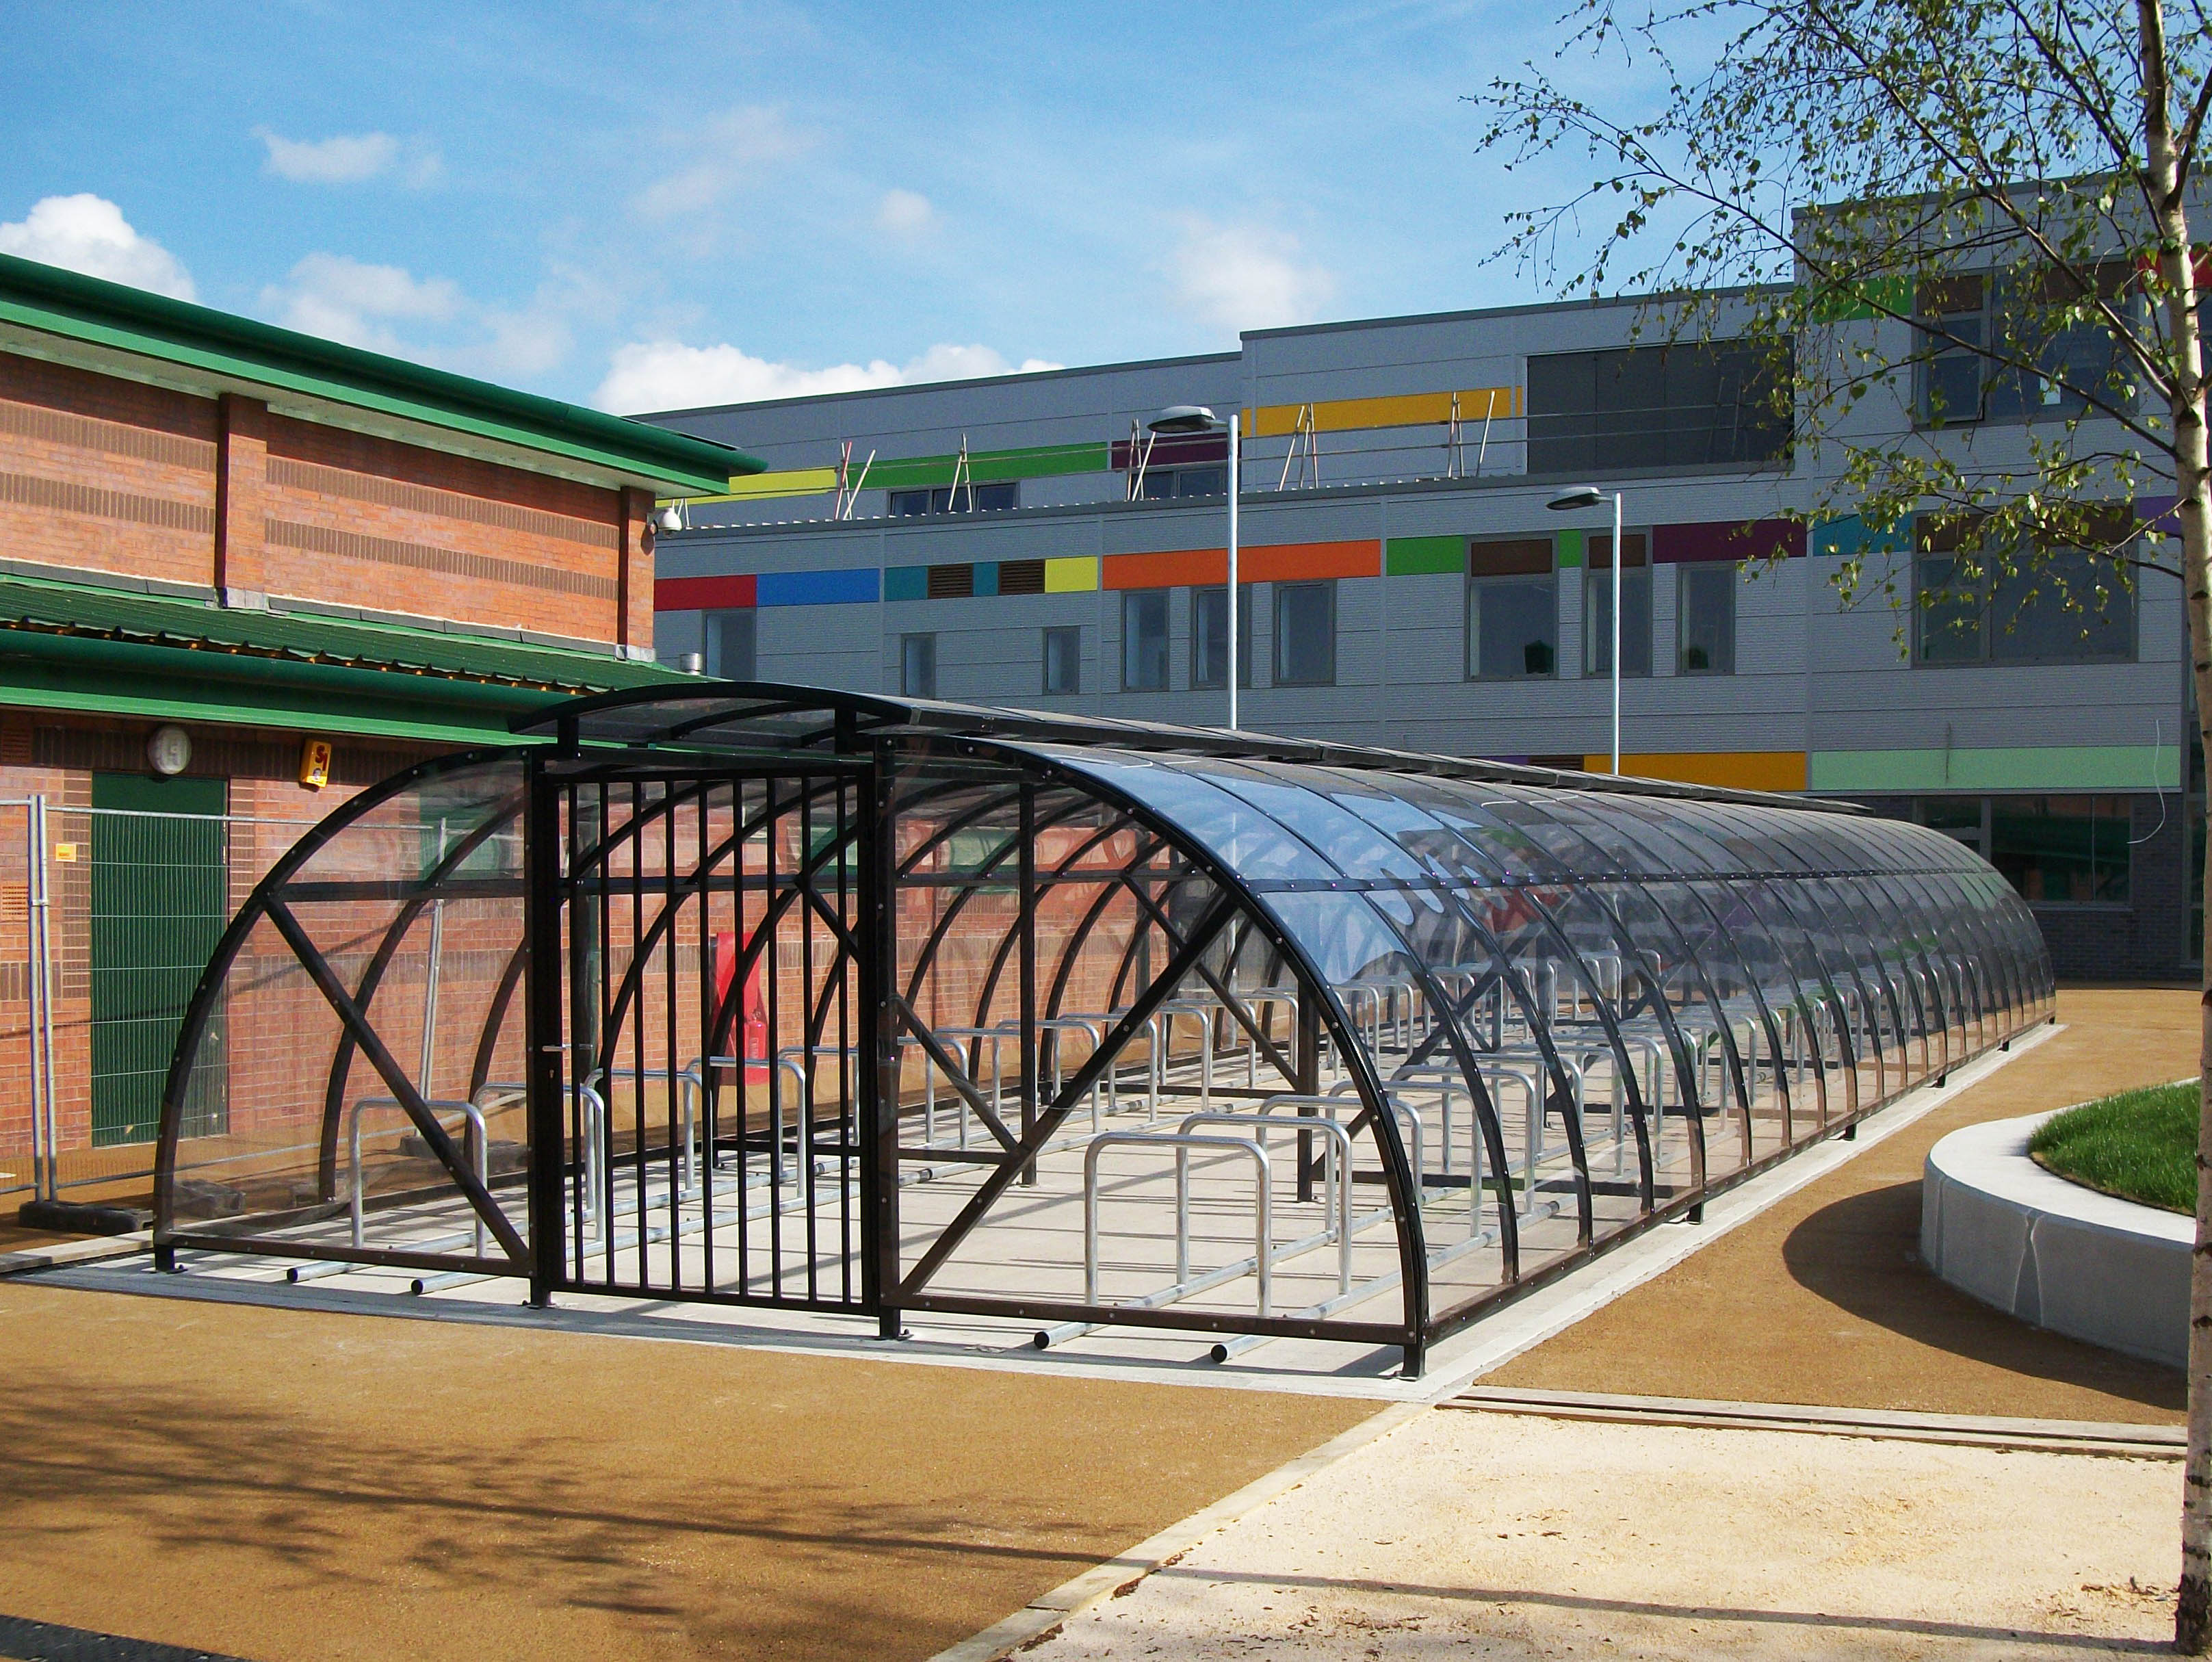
(1186, 418)
(670, 518)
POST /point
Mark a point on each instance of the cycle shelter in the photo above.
(894, 1010)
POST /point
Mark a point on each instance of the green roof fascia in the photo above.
(54, 605)
(990, 466)
(120, 683)
(127, 319)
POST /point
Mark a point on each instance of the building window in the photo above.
(733, 645)
(1144, 640)
(1063, 660)
(2067, 606)
(2062, 849)
(1167, 484)
(956, 499)
(1512, 611)
(1706, 606)
(1635, 607)
(1693, 404)
(2055, 850)
(1209, 637)
(1964, 316)
(918, 666)
(1305, 635)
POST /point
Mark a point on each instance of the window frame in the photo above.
(1693, 574)
(1132, 601)
(1071, 638)
(1938, 305)
(1988, 601)
(927, 640)
(1283, 598)
(1505, 569)
(1635, 574)
(1246, 622)
(712, 641)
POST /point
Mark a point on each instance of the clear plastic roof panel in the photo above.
(871, 1006)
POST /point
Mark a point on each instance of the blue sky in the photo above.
(645, 205)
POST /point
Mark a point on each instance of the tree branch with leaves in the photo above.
(1958, 233)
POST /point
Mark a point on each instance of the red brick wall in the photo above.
(105, 475)
(102, 474)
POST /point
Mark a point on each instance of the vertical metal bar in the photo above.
(1309, 1083)
(634, 850)
(845, 1059)
(706, 977)
(1025, 856)
(806, 881)
(37, 918)
(672, 901)
(430, 979)
(770, 955)
(603, 1056)
(740, 939)
(544, 1075)
(877, 933)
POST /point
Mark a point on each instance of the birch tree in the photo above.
(1956, 232)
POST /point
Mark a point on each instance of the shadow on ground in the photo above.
(1861, 1254)
(278, 1485)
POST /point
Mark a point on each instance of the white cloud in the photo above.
(347, 158)
(904, 214)
(1246, 276)
(387, 308)
(349, 301)
(669, 375)
(728, 148)
(88, 233)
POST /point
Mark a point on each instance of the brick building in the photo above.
(229, 552)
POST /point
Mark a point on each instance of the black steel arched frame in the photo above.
(1696, 983)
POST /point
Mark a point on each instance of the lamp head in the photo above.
(1186, 418)
(670, 518)
(1581, 496)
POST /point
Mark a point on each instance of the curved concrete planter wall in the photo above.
(1995, 1224)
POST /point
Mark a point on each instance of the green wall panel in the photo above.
(1569, 546)
(2052, 767)
(990, 466)
(1418, 557)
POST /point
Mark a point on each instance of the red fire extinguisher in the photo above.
(725, 953)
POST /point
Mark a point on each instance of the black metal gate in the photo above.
(700, 1055)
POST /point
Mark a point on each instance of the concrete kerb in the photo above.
(2058, 1255)
(64, 1253)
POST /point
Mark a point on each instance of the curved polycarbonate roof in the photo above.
(1551, 1009)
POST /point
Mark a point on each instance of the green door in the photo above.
(161, 896)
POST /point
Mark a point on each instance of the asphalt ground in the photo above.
(1823, 1299)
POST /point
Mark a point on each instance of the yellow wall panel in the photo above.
(1405, 409)
(1072, 574)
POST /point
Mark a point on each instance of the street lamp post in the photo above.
(1197, 418)
(1588, 496)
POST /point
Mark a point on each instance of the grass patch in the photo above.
(2139, 1144)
